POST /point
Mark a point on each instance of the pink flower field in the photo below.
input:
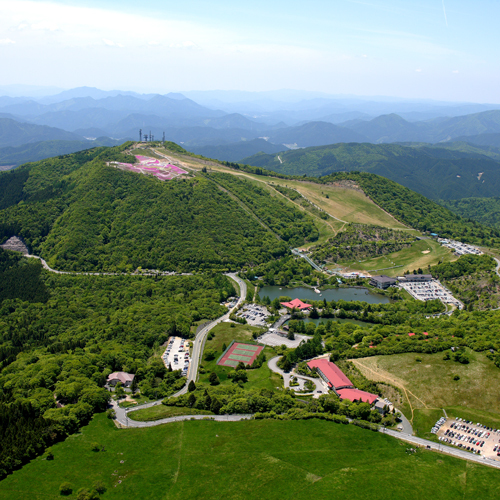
(160, 169)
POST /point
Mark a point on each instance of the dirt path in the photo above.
(398, 383)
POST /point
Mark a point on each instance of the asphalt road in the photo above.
(431, 445)
(273, 366)
(196, 353)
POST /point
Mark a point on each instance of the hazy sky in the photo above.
(440, 49)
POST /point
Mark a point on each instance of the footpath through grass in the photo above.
(262, 459)
(429, 385)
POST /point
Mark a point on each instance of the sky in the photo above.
(431, 49)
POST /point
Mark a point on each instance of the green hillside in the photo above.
(434, 172)
(249, 460)
(80, 214)
(483, 210)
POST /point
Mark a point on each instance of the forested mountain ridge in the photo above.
(407, 206)
(82, 215)
(434, 172)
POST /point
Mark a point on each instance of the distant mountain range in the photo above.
(240, 121)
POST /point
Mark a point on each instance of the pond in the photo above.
(303, 293)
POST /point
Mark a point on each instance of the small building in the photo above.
(416, 278)
(296, 304)
(382, 281)
(123, 377)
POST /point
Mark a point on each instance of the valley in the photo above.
(123, 284)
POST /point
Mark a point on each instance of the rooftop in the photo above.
(383, 279)
(296, 304)
(331, 371)
(357, 395)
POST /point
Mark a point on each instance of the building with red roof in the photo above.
(296, 304)
(338, 382)
(411, 334)
(357, 395)
(330, 373)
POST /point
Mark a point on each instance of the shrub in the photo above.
(95, 446)
(65, 489)
(99, 487)
(456, 377)
(209, 354)
(111, 413)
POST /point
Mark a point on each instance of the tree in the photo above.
(191, 386)
(134, 385)
(65, 489)
(291, 335)
(214, 379)
(100, 487)
(224, 347)
(209, 354)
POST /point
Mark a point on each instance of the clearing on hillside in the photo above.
(421, 254)
(429, 383)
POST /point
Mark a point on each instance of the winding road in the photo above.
(196, 353)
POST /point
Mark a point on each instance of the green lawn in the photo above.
(262, 377)
(262, 459)
(408, 259)
(162, 411)
(430, 385)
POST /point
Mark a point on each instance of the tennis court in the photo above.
(239, 352)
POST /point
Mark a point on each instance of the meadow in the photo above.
(407, 259)
(428, 386)
(263, 459)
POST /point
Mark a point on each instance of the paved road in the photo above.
(196, 353)
(456, 452)
(180, 418)
(86, 273)
(273, 366)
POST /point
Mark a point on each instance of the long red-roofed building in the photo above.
(330, 373)
(338, 381)
(296, 304)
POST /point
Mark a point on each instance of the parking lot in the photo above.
(177, 354)
(274, 339)
(430, 290)
(254, 314)
(470, 436)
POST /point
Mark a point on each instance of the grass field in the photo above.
(408, 259)
(348, 205)
(261, 377)
(162, 411)
(262, 459)
(428, 386)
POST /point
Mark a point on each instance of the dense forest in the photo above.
(56, 352)
(290, 224)
(483, 210)
(81, 215)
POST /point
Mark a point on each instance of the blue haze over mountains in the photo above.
(232, 125)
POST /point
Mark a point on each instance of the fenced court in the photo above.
(239, 352)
